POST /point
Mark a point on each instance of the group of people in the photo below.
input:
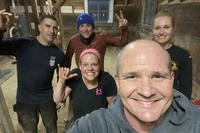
(144, 96)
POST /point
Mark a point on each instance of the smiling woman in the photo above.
(163, 32)
(147, 101)
(90, 90)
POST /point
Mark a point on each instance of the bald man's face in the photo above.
(145, 84)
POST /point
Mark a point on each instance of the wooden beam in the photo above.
(126, 2)
(57, 5)
(5, 5)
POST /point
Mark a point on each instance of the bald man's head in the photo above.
(144, 81)
(142, 50)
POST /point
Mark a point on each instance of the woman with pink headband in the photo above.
(91, 89)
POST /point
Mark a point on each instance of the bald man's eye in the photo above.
(130, 77)
(159, 77)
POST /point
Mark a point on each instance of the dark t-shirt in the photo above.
(85, 101)
(182, 66)
(35, 68)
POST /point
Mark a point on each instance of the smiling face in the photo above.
(86, 30)
(89, 65)
(144, 82)
(48, 29)
(162, 30)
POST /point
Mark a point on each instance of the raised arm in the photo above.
(6, 18)
(6, 47)
(61, 91)
(121, 20)
(123, 25)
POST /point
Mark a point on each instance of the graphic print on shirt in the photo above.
(52, 61)
(174, 66)
(99, 91)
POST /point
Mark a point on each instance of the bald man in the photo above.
(147, 102)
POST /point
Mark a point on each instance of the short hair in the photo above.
(163, 13)
(47, 16)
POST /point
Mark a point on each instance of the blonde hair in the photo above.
(163, 13)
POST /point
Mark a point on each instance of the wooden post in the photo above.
(6, 125)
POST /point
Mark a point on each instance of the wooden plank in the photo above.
(6, 125)
(5, 75)
(5, 120)
(57, 5)
(126, 2)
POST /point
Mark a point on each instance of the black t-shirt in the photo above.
(35, 67)
(182, 67)
(85, 101)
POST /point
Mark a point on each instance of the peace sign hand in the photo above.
(121, 20)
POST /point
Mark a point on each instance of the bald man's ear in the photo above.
(172, 75)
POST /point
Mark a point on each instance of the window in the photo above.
(149, 11)
(101, 10)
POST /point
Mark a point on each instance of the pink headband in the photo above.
(92, 51)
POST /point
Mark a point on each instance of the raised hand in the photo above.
(64, 74)
(6, 18)
(60, 105)
(121, 20)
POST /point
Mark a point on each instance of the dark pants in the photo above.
(28, 116)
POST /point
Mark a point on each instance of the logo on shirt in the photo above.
(99, 91)
(174, 66)
(52, 61)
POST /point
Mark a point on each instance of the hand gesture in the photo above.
(6, 18)
(60, 105)
(121, 20)
(64, 74)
